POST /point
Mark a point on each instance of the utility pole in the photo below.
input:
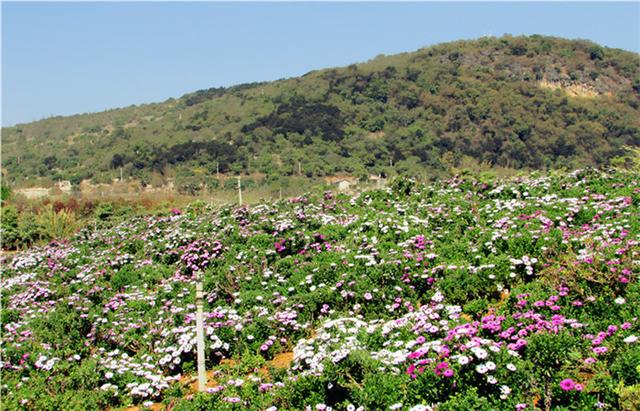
(202, 372)
(239, 192)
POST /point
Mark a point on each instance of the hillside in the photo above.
(517, 102)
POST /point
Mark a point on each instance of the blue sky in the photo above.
(67, 58)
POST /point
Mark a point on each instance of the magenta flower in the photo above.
(448, 373)
(442, 365)
(567, 384)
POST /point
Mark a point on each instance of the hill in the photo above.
(516, 102)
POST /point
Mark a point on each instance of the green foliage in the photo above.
(416, 114)
(467, 400)
(548, 352)
(56, 224)
(28, 230)
(9, 233)
(630, 398)
(5, 192)
(104, 211)
(402, 186)
(626, 367)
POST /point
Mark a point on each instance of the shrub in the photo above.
(54, 225)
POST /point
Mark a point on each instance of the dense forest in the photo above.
(513, 102)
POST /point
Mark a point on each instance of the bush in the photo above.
(55, 225)
(104, 211)
(9, 233)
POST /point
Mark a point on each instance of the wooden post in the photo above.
(202, 371)
(280, 194)
(239, 192)
(299, 168)
(218, 170)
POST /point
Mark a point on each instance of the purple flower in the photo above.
(567, 384)
(600, 350)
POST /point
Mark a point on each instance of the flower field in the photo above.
(514, 294)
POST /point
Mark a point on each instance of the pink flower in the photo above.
(600, 350)
(579, 387)
(448, 373)
(442, 365)
(567, 385)
(368, 296)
